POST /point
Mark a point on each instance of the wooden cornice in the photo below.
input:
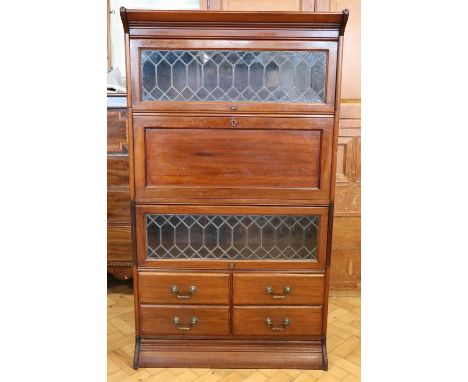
(147, 19)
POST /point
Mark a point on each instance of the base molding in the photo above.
(228, 354)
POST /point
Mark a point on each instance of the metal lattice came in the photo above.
(245, 76)
(236, 237)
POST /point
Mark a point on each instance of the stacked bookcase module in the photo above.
(233, 125)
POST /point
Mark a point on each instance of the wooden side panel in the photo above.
(346, 246)
(232, 158)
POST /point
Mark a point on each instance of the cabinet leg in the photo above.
(324, 354)
(136, 353)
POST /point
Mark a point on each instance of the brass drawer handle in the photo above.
(287, 290)
(286, 323)
(191, 290)
(234, 107)
(192, 322)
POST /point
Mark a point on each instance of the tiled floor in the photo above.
(343, 343)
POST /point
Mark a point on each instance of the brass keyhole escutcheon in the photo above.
(233, 122)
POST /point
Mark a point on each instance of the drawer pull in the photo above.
(192, 322)
(191, 290)
(286, 289)
(286, 323)
(234, 107)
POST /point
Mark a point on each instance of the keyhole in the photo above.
(233, 122)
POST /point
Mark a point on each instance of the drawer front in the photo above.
(278, 289)
(231, 237)
(248, 76)
(119, 243)
(117, 172)
(239, 158)
(184, 320)
(117, 130)
(277, 321)
(118, 206)
(184, 288)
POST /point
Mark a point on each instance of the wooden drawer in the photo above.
(117, 130)
(252, 321)
(161, 320)
(278, 289)
(237, 159)
(117, 172)
(118, 206)
(119, 243)
(174, 288)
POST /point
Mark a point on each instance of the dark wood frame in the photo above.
(240, 107)
(267, 30)
(142, 210)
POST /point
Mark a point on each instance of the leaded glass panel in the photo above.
(243, 76)
(231, 237)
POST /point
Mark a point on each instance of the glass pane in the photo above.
(243, 76)
(232, 237)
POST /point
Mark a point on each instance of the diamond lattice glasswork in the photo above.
(243, 76)
(231, 237)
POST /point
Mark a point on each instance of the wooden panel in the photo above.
(119, 243)
(260, 158)
(232, 158)
(351, 81)
(345, 259)
(251, 321)
(119, 246)
(347, 231)
(211, 288)
(118, 206)
(117, 172)
(261, 5)
(345, 271)
(346, 160)
(251, 289)
(117, 130)
(158, 320)
(320, 5)
(348, 199)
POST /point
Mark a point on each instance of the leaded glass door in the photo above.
(205, 75)
(231, 237)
